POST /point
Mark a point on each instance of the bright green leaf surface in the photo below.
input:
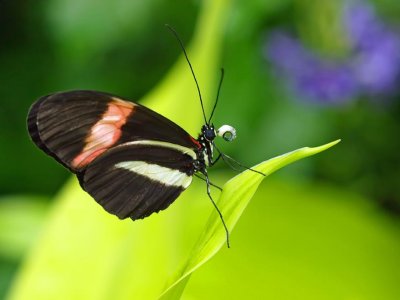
(235, 197)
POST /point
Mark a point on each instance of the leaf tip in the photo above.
(331, 144)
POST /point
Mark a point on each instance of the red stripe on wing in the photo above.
(196, 142)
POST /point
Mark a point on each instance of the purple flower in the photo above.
(288, 54)
(376, 60)
(361, 23)
(328, 84)
(372, 67)
(311, 77)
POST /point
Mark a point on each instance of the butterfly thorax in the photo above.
(205, 153)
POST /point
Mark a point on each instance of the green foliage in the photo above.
(294, 241)
(81, 242)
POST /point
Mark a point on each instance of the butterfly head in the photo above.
(208, 132)
(227, 132)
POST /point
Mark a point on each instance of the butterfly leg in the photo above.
(229, 161)
(216, 207)
(212, 184)
(215, 161)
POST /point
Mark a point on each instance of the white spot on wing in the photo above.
(176, 147)
(158, 173)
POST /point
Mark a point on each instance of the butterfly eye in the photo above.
(228, 133)
(210, 135)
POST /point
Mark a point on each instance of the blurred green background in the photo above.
(298, 73)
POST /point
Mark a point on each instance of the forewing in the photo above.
(139, 178)
(77, 127)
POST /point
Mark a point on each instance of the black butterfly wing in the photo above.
(76, 127)
(59, 123)
(139, 178)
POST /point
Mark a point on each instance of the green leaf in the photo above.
(235, 196)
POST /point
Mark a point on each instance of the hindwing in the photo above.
(139, 178)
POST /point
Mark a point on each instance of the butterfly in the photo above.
(130, 159)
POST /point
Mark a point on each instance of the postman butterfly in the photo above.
(130, 159)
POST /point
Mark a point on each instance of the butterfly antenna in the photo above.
(216, 100)
(191, 68)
